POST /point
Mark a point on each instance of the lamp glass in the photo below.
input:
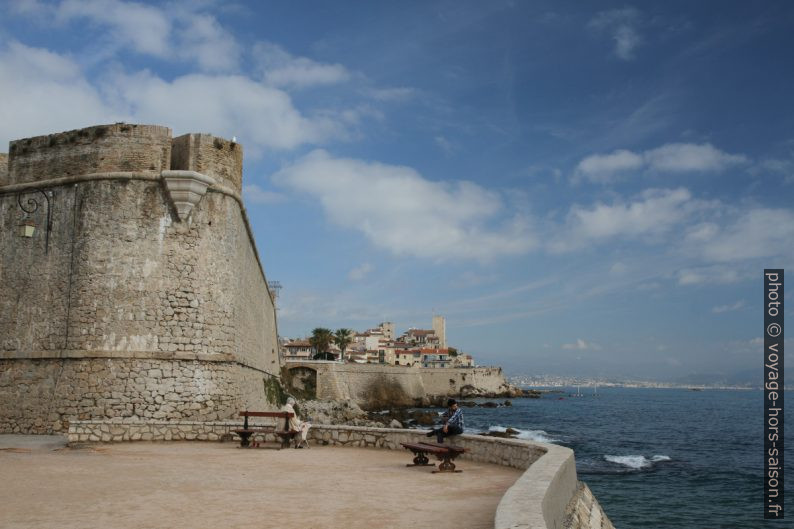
(27, 230)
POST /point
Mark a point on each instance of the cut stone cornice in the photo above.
(186, 188)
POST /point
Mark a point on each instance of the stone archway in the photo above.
(302, 382)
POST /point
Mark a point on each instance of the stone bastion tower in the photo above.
(130, 284)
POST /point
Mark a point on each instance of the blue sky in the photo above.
(580, 188)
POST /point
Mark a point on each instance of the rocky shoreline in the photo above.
(349, 413)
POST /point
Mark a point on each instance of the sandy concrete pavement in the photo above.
(218, 485)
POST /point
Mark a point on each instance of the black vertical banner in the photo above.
(773, 394)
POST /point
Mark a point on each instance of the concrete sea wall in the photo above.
(546, 495)
(121, 297)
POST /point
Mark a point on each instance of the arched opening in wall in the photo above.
(302, 382)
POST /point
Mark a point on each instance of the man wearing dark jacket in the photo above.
(453, 422)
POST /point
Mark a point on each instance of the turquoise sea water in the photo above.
(658, 458)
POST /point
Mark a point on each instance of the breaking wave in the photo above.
(540, 436)
(636, 462)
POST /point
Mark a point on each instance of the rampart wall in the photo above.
(374, 385)
(119, 305)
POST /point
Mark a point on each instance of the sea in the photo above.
(657, 458)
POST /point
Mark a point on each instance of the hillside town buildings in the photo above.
(380, 345)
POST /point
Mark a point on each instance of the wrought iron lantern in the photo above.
(27, 229)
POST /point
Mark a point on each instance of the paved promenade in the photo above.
(217, 485)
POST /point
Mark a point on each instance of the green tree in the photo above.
(343, 338)
(321, 340)
(452, 351)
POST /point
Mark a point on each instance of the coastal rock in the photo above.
(509, 433)
(333, 412)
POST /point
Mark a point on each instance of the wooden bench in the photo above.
(445, 453)
(247, 431)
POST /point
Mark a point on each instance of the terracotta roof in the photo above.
(421, 331)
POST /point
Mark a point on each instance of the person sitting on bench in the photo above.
(296, 424)
(453, 422)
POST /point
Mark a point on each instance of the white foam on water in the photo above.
(540, 436)
(636, 461)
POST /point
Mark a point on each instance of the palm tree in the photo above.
(321, 340)
(343, 338)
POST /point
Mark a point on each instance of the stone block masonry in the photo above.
(120, 298)
(375, 386)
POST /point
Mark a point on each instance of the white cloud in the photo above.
(254, 194)
(653, 212)
(447, 146)
(360, 272)
(199, 37)
(602, 168)
(42, 92)
(175, 32)
(581, 345)
(669, 158)
(755, 233)
(621, 25)
(228, 106)
(280, 68)
(686, 157)
(707, 275)
(399, 210)
(728, 308)
(782, 167)
(145, 28)
(701, 232)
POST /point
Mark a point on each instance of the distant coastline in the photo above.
(555, 382)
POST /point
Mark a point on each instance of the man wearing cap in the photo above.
(453, 422)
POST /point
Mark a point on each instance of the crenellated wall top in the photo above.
(97, 149)
(210, 155)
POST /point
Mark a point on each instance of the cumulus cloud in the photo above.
(686, 157)
(754, 233)
(602, 168)
(144, 28)
(669, 158)
(652, 212)
(176, 33)
(622, 26)
(229, 105)
(399, 210)
(280, 68)
(42, 92)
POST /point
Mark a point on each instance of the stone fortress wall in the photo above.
(374, 386)
(125, 302)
